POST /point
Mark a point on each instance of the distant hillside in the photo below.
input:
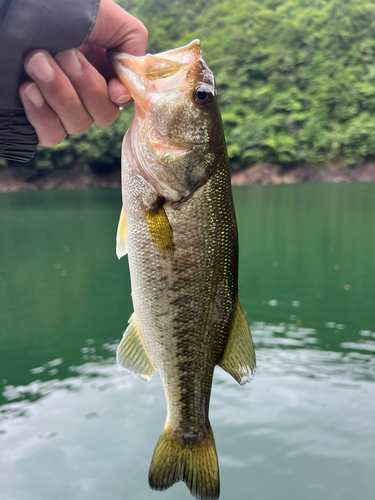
(296, 80)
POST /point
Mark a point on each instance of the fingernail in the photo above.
(126, 105)
(69, 63)
(123, 99)
(34, 95)
(40, 67)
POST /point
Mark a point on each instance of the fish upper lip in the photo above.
(112, 55)
(130, 78)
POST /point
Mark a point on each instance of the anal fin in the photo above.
(239, 355)
(131, 353)
(121, 238)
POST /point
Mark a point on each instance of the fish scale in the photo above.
(178, 226)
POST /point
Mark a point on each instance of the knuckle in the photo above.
(52, 140)
(141, 30)
(79, 127)
(138, 31)
(107, 119)
(64, 98)
(98, 91)
(99, 106)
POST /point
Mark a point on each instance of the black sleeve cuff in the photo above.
(53, 25)
(18, 140)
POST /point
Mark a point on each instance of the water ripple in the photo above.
(291, 349)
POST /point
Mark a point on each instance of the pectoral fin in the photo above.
(239, 355)
(121, 238)
(131, 353)
(160, 230)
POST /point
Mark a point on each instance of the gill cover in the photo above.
(169, 142)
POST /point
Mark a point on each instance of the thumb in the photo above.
(116, 28)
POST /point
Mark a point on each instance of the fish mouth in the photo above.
(140, 73)
(129, 70)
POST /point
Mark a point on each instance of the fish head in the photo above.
(176, 132)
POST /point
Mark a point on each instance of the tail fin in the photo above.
(194, 462)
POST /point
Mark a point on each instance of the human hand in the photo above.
(68, 93)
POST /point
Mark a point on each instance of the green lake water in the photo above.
(74, 426)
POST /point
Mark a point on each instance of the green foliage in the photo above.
(296, 79)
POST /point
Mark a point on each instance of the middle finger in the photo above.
(58, 91)
(90, 85)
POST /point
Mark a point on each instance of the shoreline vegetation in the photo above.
(296, 86)
(24, 179)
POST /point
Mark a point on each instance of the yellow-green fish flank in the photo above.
(179, 229)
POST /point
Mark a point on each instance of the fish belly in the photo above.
(184, 303)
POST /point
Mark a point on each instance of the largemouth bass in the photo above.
(179, 229)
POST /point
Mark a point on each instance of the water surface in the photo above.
(75, 426)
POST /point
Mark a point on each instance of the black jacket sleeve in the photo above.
(53, 25)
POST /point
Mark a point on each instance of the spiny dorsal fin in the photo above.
(121, 238)
(160, 230)
(131, 353)
(239, 355)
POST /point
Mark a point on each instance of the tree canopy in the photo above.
(295, 78)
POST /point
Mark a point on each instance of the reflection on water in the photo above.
(74, 425)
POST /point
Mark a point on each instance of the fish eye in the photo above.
(202, 95)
